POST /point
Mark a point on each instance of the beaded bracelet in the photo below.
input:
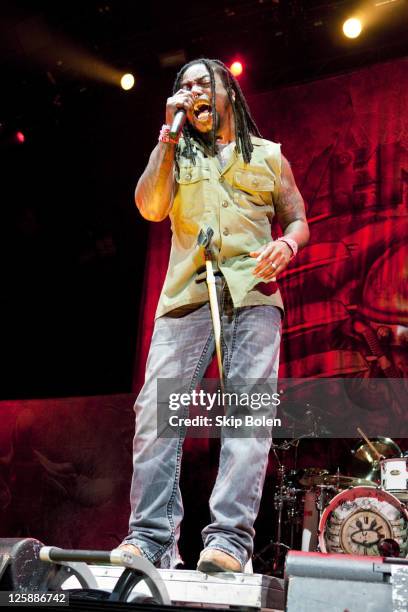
(164, 135)
(292, 244)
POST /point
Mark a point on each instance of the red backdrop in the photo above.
(346, 294)
(65, 465)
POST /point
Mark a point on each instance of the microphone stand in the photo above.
(204, 240)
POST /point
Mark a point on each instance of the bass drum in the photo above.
(357, 519)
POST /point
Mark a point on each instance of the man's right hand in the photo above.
(155, 189)
(181, 99)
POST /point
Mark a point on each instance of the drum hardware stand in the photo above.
(279, 501)
(283, 495)
(274, 564)
(287, 445)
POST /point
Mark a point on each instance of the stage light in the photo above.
(236, 68)
(127, 81)
(352, 27)
(20, 137)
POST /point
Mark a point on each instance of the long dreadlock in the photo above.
(244, 123)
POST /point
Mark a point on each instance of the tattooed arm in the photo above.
(274, 257)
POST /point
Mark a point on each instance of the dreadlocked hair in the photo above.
(244, 123)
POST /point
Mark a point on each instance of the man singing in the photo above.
(221, 174)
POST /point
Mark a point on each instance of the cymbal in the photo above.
(309, 474)
(365, 463)
(384, 446)
(341, 481)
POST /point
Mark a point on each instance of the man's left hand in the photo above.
(272, 258)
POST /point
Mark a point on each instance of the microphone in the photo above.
(179, 120)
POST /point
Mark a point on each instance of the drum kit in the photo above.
(362, 514)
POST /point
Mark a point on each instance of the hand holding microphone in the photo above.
(178, 123)
(176, 111)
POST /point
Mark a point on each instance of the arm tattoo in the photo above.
(289, 205)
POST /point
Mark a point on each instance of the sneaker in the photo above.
(213, 560)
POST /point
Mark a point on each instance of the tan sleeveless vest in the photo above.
(237, 201)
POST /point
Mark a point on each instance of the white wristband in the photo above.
(292, 244)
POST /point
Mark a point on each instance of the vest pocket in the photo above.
(191, 191)
(254, 182)
(191, 174)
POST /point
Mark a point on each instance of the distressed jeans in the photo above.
(182, 347)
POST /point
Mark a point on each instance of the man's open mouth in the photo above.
(202, 110)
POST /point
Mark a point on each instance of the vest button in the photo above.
(188, 177)
(226, 231)
(221, 179)
(225, 204)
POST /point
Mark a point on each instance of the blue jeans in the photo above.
(182, 347)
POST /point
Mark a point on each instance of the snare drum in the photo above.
(394, 476)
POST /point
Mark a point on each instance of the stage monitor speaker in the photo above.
(345, 583)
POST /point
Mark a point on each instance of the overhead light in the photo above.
(236, 68)
(352, 27)
(127, 81)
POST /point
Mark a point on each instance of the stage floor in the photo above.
(192, 588)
